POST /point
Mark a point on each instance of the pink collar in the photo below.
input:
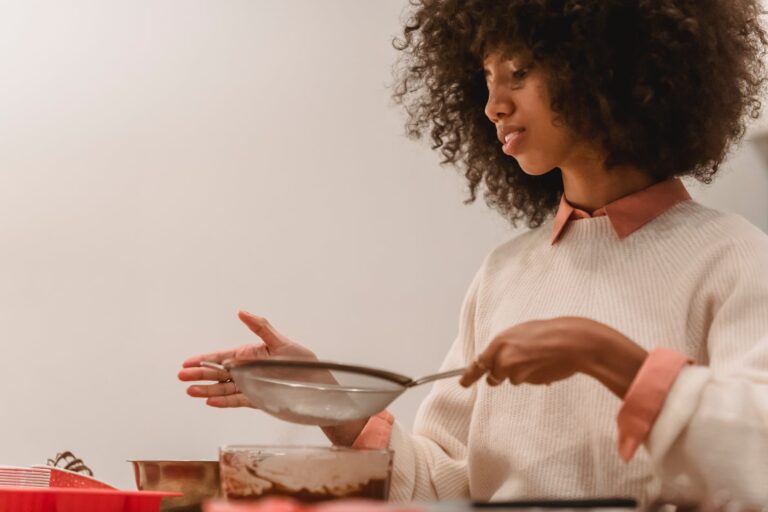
(629, 213)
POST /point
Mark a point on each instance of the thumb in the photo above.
(263, 329)
(473, 373)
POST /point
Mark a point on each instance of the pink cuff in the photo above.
(645, 398)
(375, 433)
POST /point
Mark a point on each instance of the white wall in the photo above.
(166, 163)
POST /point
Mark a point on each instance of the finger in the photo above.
(209, 390)
(522, 374)
(483, 363)
(237, 400)
(263, 329)
(216, 357)
(201, 373)
(252, 352)
(493, 381)
(547, 374)
(248, 352)
(479, 367)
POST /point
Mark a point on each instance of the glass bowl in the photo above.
(304, 473)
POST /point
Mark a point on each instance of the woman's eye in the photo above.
(520, 74)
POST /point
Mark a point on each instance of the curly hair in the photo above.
(663, 85)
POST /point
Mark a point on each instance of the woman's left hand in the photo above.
(546, 351)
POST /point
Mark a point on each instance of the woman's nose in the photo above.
(497, 107)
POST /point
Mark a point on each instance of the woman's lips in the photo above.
(512, 141)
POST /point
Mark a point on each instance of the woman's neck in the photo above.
(588, 185)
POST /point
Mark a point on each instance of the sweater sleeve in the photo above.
(711, 435)
(431, 463)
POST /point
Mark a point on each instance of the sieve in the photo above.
(321, 393)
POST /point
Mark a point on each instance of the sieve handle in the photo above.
(436, 376)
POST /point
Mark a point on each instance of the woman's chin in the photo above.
(535, 169)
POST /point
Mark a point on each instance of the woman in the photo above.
(638, 317)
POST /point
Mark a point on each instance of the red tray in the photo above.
(28, 499)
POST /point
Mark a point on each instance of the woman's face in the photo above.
(519, 105)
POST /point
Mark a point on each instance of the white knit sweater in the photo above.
(693, 280)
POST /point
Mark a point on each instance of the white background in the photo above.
(164, 163)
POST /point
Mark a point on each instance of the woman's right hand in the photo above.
(225, 394)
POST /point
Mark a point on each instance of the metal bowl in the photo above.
(198, 480)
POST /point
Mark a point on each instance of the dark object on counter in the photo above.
(576, 503)
(68, 461)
